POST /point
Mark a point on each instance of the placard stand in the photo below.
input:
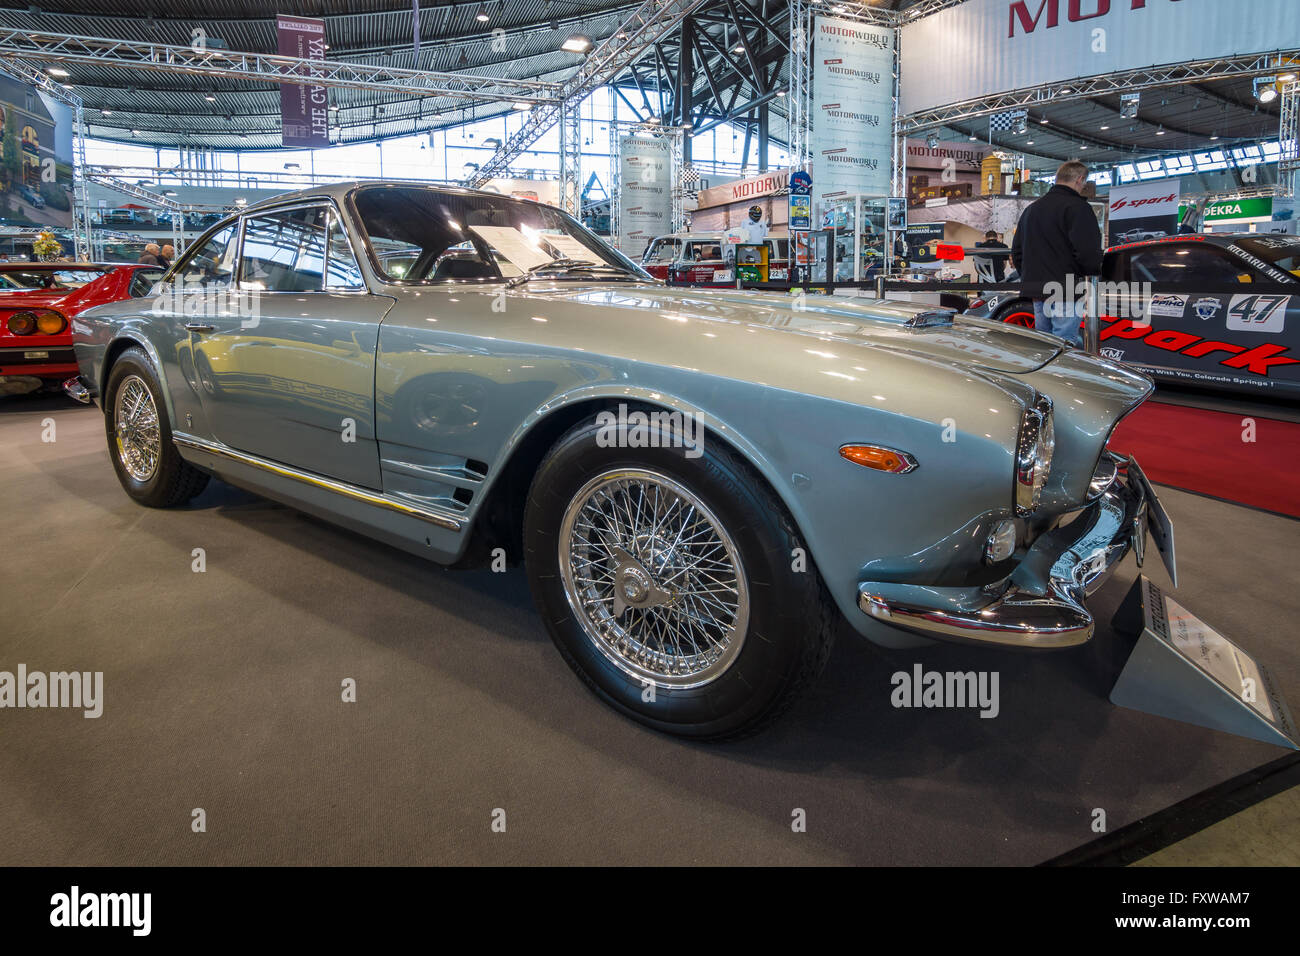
(1182, 668)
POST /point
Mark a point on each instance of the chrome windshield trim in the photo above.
(354, 492)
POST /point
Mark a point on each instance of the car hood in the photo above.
(881, 324)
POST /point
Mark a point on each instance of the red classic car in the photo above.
(37, 302)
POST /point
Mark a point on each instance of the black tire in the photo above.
(1019, 312)
(791, 620)
(173, 480)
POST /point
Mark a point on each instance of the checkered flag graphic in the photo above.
(1008, 121)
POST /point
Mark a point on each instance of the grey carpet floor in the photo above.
(222, 692)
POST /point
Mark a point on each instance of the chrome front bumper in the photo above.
(1041, 604)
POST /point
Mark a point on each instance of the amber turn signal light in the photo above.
(879, 458)
(50, 322)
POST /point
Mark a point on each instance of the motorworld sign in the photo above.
(983, 47)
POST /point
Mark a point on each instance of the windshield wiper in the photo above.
(563, 264)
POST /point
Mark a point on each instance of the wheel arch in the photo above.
(498, 521)
(113, 351)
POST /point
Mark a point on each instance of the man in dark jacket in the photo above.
(1058, 242)
(998, 263)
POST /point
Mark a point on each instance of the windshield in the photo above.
(661, 250)
(427, 235)
(1281, 251)
(61, 279)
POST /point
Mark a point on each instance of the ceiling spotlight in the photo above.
(739, 48)
(1128, 105)
(105, 112)
(210, 97)
(972, 137)
(492, 143)
(1084, 146)
(482, 15)
(169, 192)
(521, 106)
(780, 92)
(1214, 135)
(1286, 77)
(1029, 142)
(241, 201)
(292, 166)
(576, 44)
(56, 71)
(135, 132)
(1160, 131)
(1265, 93)
(1104, 127)
(1043, 121)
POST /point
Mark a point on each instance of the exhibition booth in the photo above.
(690, 432)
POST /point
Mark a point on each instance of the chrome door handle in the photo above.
(199, 327)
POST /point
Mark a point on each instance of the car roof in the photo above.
(1213, 238)
(337, 192)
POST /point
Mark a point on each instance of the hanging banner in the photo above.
(304, 110)
(36, 157)
(1143, 211)
(981, 47)
(852, 109)
(646, 199)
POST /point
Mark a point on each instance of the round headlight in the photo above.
(49, 322)
(22, 323)
(1034, 454)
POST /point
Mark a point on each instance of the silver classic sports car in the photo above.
(701, 484)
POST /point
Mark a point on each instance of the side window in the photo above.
(143, 281)
(1176, 262)
(284, 251)
(341, 270)
(212, 265)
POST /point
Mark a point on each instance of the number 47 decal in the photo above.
(1257, 313)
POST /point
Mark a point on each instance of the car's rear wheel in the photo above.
(674, 586)
(1017, 312)
(148, 466)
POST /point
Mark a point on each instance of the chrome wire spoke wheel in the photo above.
(135, 428)
(653, 578)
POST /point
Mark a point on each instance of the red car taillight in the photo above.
(22, 323)
(44, 321)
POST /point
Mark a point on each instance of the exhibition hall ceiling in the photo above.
(174, 109)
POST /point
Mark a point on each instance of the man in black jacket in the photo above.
(1058, 242)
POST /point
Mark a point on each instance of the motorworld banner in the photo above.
(982, 47)
(1143, 211)
(304, 110)
(852, 109)
(645, 199)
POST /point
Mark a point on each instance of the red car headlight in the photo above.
(49, 322)
(22, 323)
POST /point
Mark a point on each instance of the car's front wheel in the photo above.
(147, 463)
(678, 588)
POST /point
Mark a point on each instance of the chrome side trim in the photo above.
(327, 484)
